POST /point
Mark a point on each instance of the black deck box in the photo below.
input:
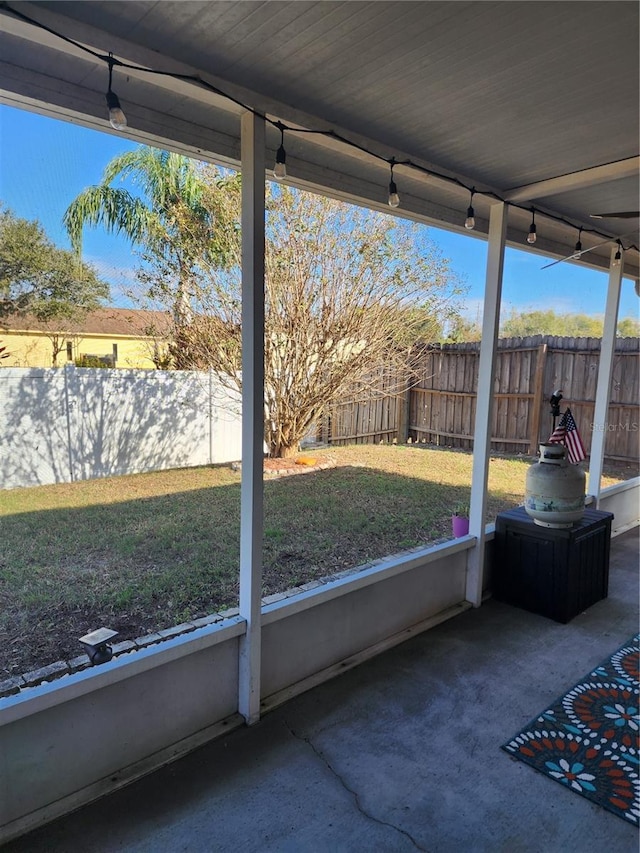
(555, 572)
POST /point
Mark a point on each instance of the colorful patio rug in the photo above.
(589, 739)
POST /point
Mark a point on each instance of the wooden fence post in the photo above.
(404, 404)
(538, 388)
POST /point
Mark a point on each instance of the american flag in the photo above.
(567, 433)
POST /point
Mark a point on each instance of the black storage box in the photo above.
(555, 572)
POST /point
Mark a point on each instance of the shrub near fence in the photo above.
(440, 405)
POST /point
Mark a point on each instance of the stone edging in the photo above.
(44, 674)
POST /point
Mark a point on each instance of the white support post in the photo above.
(605, 370)
(484, 401)
(251, 501)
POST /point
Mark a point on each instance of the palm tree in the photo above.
(174, 218)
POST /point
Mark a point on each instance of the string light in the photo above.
(618, 255)
(280, 169)
(117, 118)
(532, 236)
(118, 121)
(470, 221)
(394, 198)
(577, 251)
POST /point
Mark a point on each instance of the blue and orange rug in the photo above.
(589, 739)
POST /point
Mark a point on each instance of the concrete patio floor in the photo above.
(400, 754)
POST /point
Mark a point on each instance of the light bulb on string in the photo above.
(117, 118)
(280, 168)
(394, 198)
(618, 255)
(577, 250)
(118, 121)
(532, 236)
(470, 221)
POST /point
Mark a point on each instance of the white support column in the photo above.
(484, 401)
(251, 502)
(605, 369)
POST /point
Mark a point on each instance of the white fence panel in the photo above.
(34, 437)
(76, 424)
(226, 423)
(128, 422)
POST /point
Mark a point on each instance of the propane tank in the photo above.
(554, 489)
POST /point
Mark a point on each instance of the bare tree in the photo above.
(346, 290)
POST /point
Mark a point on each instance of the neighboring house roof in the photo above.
(130, 322)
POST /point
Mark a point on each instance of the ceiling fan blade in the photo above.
(624, 214)
(577, 255)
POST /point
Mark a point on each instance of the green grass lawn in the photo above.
(143, 552)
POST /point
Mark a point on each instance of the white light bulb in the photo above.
(470, 222)
(532, 236)
(117, 118)
(280, 169)
(617, 258)
(394, 198)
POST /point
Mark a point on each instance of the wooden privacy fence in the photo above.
(438, 404)
(370, 412)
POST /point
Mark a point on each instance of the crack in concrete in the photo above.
(353, 793)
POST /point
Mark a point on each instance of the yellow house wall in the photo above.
(34, 349)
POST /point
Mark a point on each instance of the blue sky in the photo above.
(45, 163)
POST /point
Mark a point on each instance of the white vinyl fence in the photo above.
(60, 425)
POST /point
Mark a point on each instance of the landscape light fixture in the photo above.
(96, 645)
(532, 236)
(280, 169)
(470, 221)
(117, 118)
(394, 198)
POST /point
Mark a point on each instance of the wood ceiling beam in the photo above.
(129, 54)
(575, 180)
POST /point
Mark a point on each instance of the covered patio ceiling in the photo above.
(535, 104)
(532, 103)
